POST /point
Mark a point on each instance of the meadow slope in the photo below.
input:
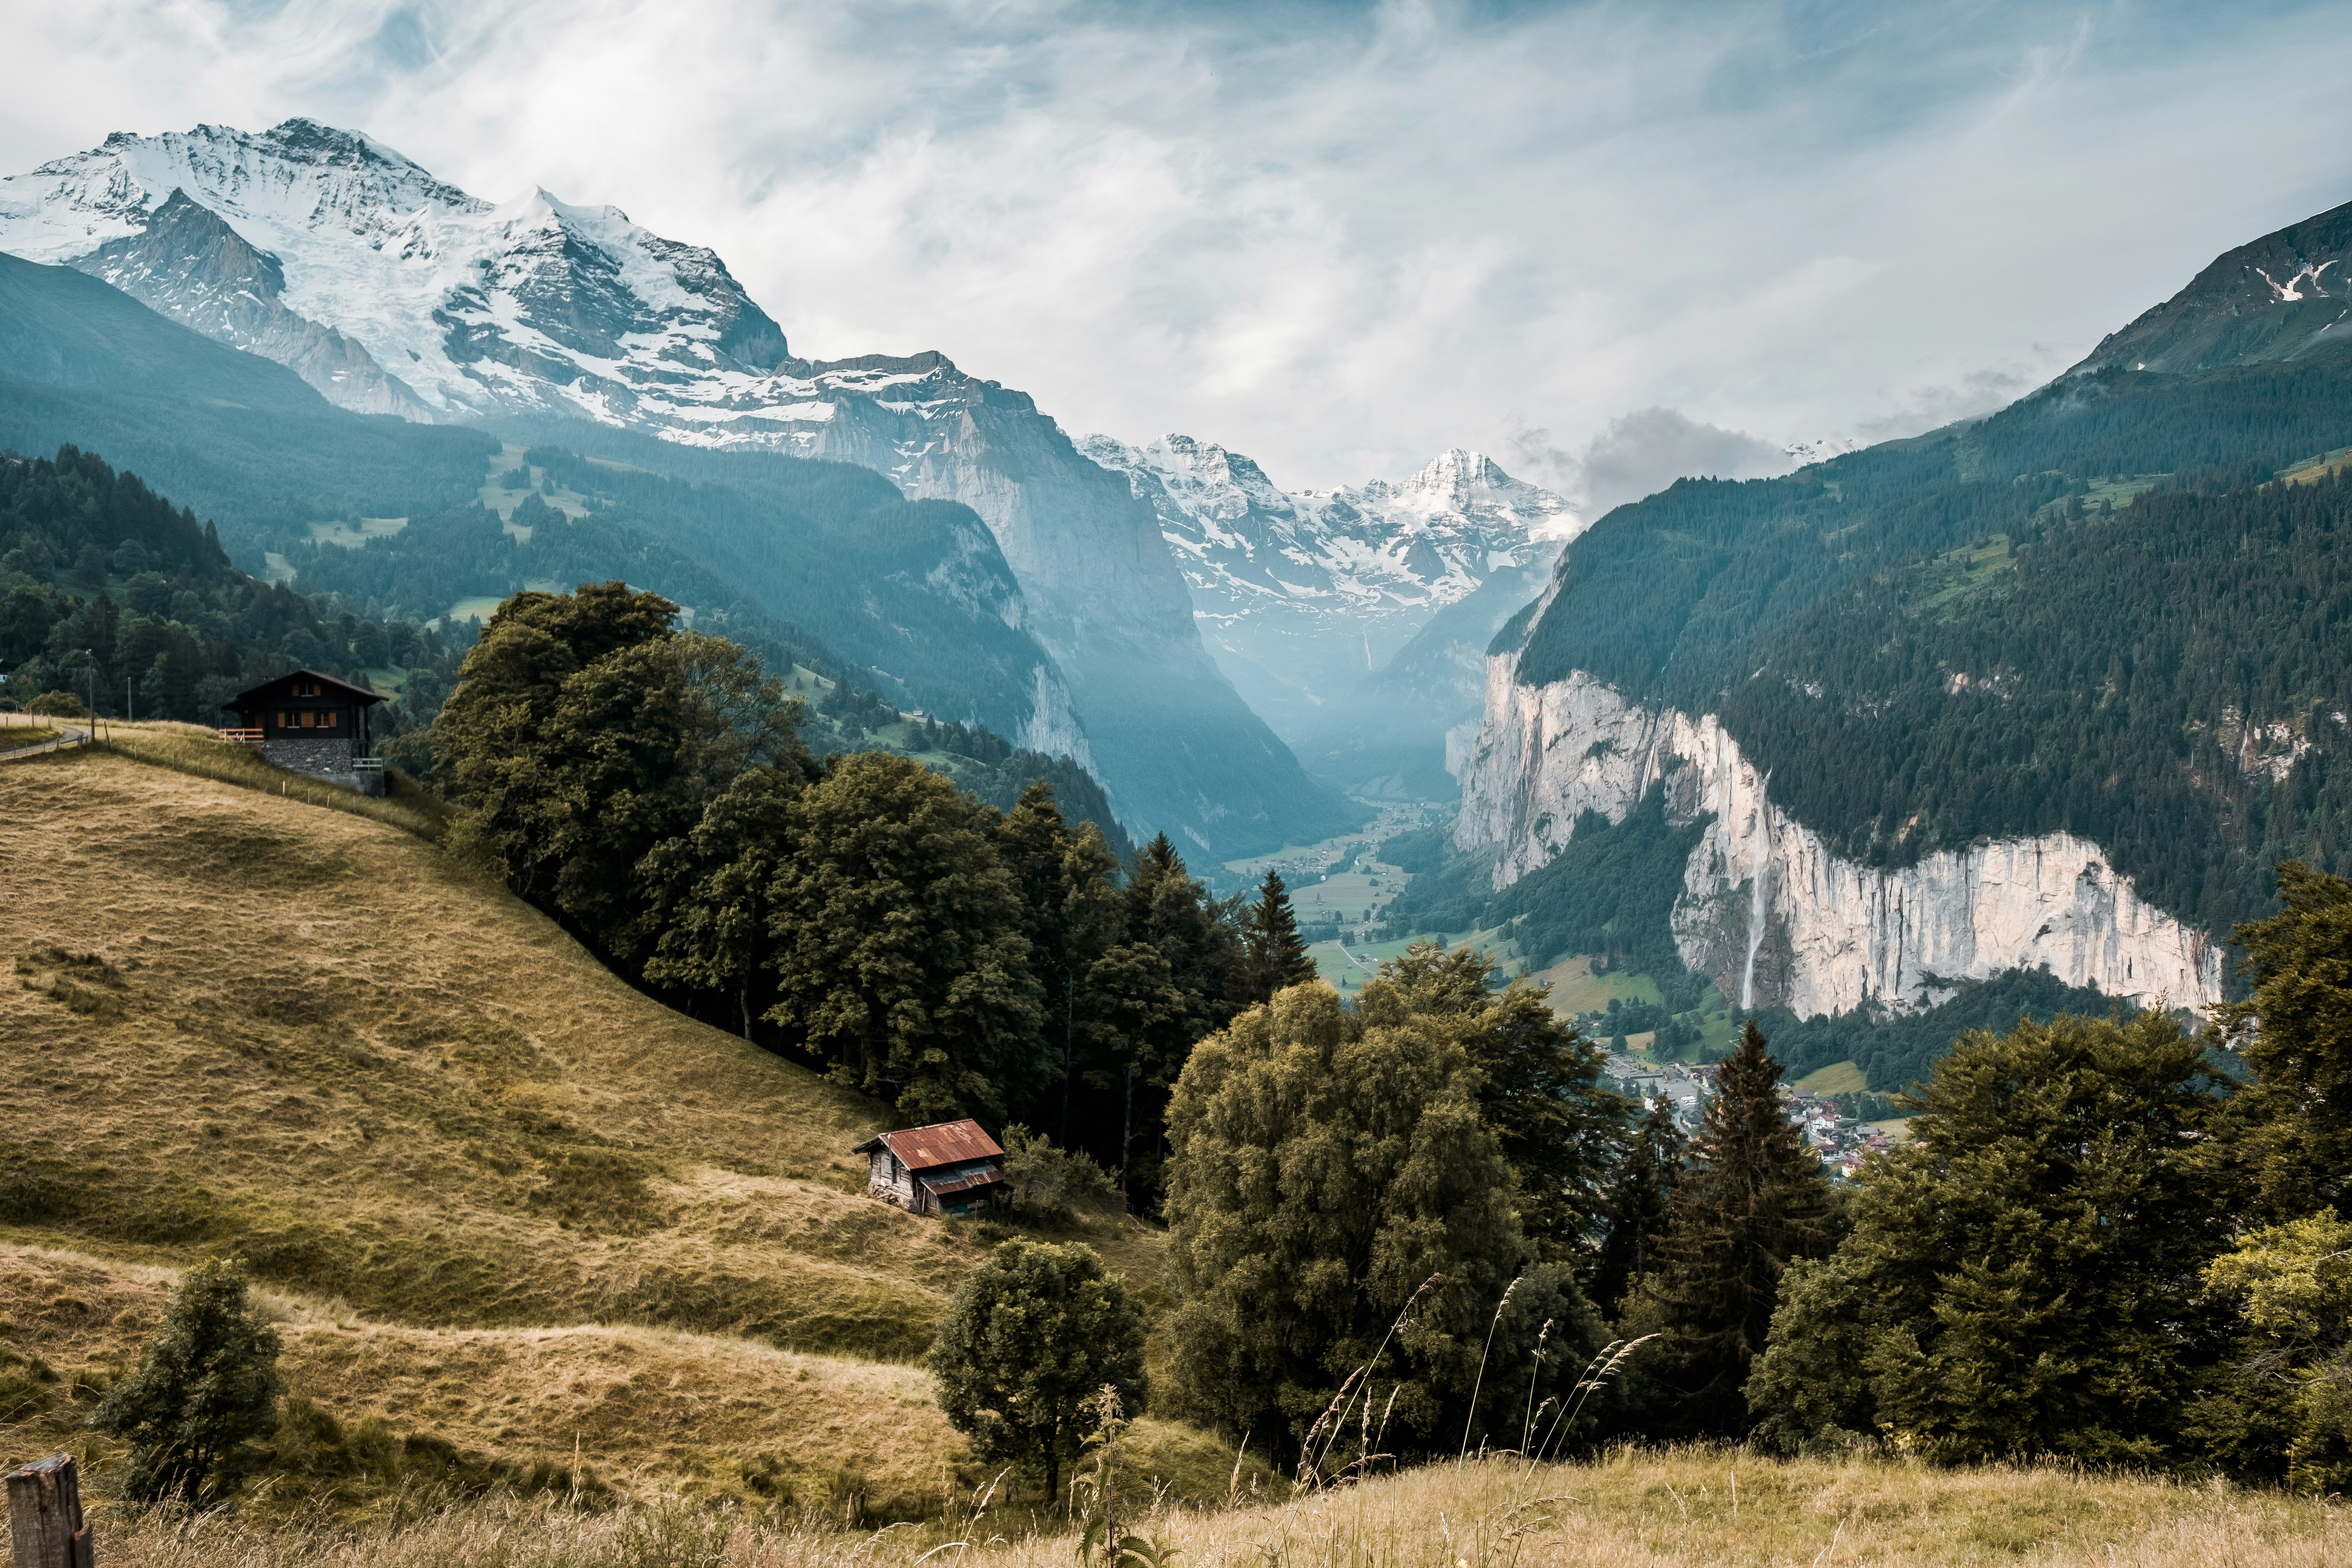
(499, 1195)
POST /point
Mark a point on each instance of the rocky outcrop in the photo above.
(1767, 909)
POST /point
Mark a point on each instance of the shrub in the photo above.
(1049, 1183)
(57, 705)
(207, 1386)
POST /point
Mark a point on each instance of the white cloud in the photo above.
(1336, 239)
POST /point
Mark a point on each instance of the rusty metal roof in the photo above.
(943, 1143)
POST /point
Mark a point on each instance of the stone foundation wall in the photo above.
(327, 760)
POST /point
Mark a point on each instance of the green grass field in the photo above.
(1838, 1078)
(351, 538)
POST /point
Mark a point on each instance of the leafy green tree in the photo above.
(2291, 1286)
(1034, 1333)
(1273, 956)
(497, 739)
(2297, 1036)
(1753, 1201)
(206, 1386)
(1329, 1166)
(1641, 1195)
(585, 731)
(708, 892)
(1540, 1088)
(2023, 1275)
(899, 953)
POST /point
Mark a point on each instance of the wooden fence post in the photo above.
(45, 1521)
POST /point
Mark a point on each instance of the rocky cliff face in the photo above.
(1767, 911)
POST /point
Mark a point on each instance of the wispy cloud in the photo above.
(1337, 237)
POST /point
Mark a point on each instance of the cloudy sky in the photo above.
(1594, 239)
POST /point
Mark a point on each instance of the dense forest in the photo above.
(651, 787)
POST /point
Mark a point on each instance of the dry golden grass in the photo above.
(243, 1024)
(232, 1023)
(1629, 1511)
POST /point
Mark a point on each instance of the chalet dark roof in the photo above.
(930, 1148)
(275, 691)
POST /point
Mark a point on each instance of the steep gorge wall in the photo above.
(1767, 909)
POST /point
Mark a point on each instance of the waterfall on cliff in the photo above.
(1756, 899)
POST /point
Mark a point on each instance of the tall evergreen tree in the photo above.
(1639, 1198)
(1755, 1200)
(1276, 957)
(2023, 1274)
(1197, 932)
(1068, 886)
(2298, 1113)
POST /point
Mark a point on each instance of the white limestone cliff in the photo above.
(1768, 909)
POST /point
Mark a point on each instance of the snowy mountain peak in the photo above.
(1299, 594)
(452, 305)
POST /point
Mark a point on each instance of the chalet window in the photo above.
(286, 720)
(334, 720)
(310, 721)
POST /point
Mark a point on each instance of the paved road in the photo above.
(70, 737)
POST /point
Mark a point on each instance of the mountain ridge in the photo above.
(536, 307)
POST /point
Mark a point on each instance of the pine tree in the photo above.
(2299, 1111)
(1276, 957)
(1069, 889)
(1639, 1202)
(1755, 1200)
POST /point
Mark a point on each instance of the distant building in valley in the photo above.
(310, 723)
(949, 1167)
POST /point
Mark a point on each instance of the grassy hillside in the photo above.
(499, 1193)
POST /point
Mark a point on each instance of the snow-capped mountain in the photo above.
(1302, 593)
(392, 292)
(467, 306)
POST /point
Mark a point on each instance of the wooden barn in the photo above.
(950, 1167)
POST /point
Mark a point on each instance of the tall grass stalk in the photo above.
(1480, 1381)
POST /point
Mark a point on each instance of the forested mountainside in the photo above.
(402, 524)
(392, 289)
(109, 592)
(2052, 692)
(2094, 612)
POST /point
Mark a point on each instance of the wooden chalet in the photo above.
(950, 1167)
(310, 723)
